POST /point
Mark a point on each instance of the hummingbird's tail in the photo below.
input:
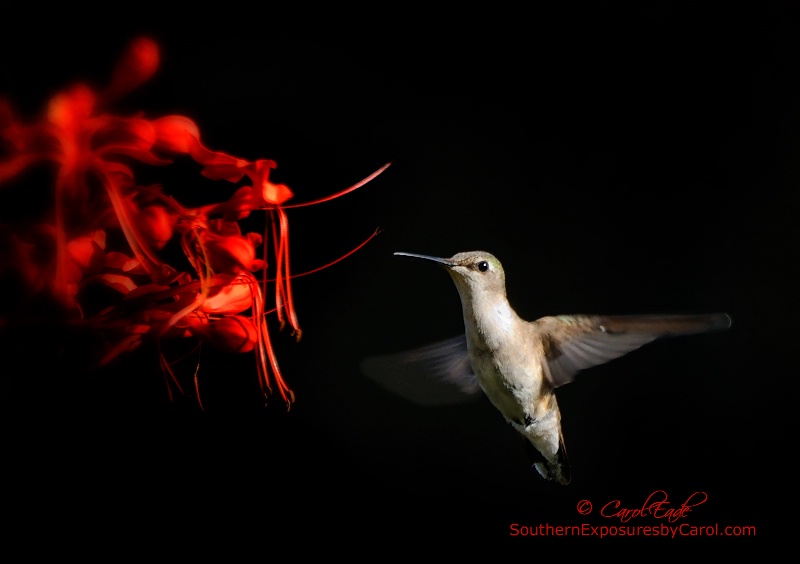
(556, 469)
(553, 471)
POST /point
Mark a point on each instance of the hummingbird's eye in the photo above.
(483, 266)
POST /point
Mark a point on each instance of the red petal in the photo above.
(237, 206)
(70, 108)
(271, 194)
(139, 62)
(229, 254)
(234, 333)
(146, 289)
(118, 282)
(232, 298)
(123, 262)
(156, 225)
(112, 133)
(15, 165)
(276, 193)
(176, 133)
(219, 166)
(87, 252)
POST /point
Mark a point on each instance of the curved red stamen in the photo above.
(289, 300)
(341, 258)
(355, 186)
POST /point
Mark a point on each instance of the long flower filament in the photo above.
(352, 188)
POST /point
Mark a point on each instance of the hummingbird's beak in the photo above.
(446, 262)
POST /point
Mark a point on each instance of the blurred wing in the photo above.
(438, 374)
(573, 343)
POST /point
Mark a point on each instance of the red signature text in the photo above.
(656, 505)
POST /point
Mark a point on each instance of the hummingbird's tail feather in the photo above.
(556, 469)
(552, 472)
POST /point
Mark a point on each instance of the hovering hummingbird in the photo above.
(517, 363)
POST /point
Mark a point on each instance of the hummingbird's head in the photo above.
(478, 275)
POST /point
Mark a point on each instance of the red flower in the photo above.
(96, 156)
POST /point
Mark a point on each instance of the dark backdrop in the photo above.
(617, 158)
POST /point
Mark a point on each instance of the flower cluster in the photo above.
(95, 248)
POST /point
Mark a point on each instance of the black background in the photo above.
(618, 158)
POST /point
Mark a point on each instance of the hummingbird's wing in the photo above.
(437, 374)
(571, 343)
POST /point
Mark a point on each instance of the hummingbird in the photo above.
(518, 364)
